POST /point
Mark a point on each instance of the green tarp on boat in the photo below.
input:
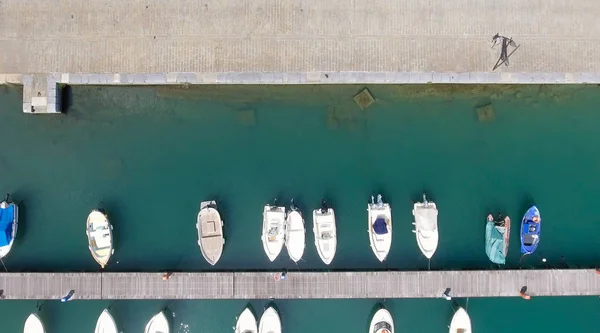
(495, 246)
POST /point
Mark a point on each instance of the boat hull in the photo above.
(382, 322)
(426, 227)
(12, 222)
(246, 322)
(33, 324)
(380, 243)
(530, 230)
(497, 240)
(100, 237)
(270, 322)
(106, 323)
(210, 232)
(273, 233)
(325, 233)
(158, 324)
(295, 241)
(461, 323)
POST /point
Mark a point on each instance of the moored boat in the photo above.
(273, 233)
(382, 322)
(270, 322)
(210, 232)
(295, 241)
(380, 227)
(106, 323)
(426, 226)
(497, 237)
(531, 227)
(246, 322)
(325, 232)
(461, 323)
(33, 324)
(100, 238)
(158, 324)
(9, 222)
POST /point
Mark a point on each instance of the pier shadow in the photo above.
(66, 98)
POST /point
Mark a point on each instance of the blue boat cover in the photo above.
(380, 227)
(7, 217)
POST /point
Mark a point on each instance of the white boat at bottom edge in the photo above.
(426, 226)
(106, 323)
(380, 227)
(295, 238)
(461, 323)
(270, 322)
(246, 322)
(33, 324)
(273, 233)
(382, 322)
(325, 232)
(158, 324)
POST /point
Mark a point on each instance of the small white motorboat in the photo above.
(294, 233)
(273, 233)
(106, 323)
(325, 232)
(380, 227)
(246, 322)
(461, 323)
(33, 324)
(9, 222)
(382, 322)
(100, 238)
(158, 324)
(270, 322)
(426, 226)
(210, 232)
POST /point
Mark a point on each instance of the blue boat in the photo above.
(531, 226)
(9, 213)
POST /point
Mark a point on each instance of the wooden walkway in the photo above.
(300, 285)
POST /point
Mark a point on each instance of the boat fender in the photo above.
(598, 271)
(523, 293)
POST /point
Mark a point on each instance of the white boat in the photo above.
(380, 227)
(426, 226)
(294, 233)
(325, 232)
(9, 222)
(273, 233)
(158, 324)
(382, 322)
(100, 238)
(270, 322)
(106, 323)
(33, 324)
(210, 232)
(461, 323)
(246, 322)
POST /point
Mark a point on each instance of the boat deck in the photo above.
(301, 285)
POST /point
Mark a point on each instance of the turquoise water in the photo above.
(150, 155)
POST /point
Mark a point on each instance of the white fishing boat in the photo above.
(246, 322)
(295, 241)
(9, 222)
(100, 238)
(380, 227)
(273, 233)
(158, 324)
(210, 232)
(461, 323)
(382, 322)
(325, 232)
(426, 226)
(33, 324)
(106, 323)
(270, 322)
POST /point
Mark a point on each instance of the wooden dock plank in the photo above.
(300, 285)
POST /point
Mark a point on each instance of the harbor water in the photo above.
(150, 155)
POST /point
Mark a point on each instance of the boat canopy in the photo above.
(7, 219)
(426, 218)
(494, 246)
(380, 226)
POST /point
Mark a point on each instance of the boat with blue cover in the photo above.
(531, 226)
(497, 236)
(380, 227)
(9, 221)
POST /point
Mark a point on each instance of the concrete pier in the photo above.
(289, 42)
(301, 285)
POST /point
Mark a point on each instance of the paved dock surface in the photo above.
(301, 285)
